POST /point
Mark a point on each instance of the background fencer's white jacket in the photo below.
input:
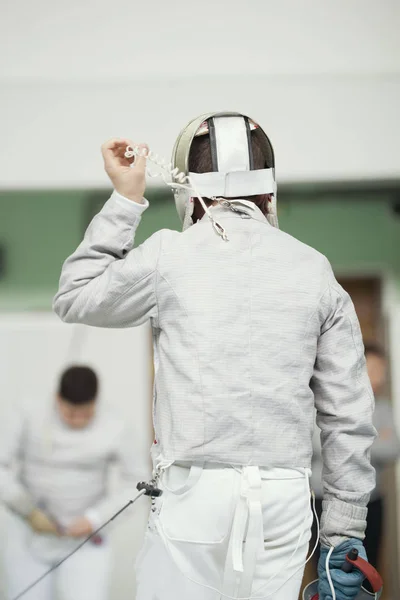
(249, 336)
(64, 471)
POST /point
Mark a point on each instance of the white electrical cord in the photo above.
(328, 573)
(179, 180)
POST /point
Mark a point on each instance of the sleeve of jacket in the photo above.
(345, 405)
(130, 472)
(12, 492)
(105, 282)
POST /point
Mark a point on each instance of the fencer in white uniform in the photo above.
(54, 481)
(251, 332)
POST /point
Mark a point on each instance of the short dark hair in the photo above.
(374, 348)
(78, 385)
(200, 161)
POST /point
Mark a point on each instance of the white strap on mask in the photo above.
(232, 144)
(234, 183)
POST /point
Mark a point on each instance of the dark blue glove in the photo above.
(346, 585)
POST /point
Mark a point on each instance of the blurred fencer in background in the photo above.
(55, 462)
(251, 332)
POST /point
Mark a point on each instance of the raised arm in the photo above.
(104, 282)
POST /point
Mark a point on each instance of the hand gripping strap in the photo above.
(366, 569)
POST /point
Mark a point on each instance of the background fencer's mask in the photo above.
(233, 174)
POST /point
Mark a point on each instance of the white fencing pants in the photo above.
(84, 576)
(221, 532)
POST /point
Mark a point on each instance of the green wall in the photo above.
(39, 229)
(354, 232)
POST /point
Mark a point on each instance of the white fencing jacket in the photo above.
(249, 335)
(64, 471)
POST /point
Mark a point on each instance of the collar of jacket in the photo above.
(244, 210)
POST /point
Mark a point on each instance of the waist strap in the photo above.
(247, 528)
